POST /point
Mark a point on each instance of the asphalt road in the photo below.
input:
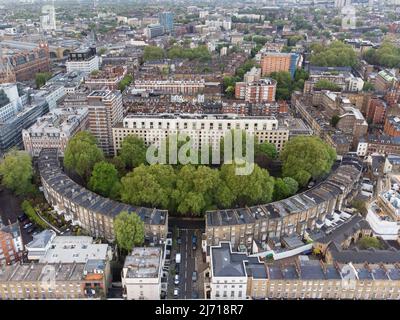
(187, 265)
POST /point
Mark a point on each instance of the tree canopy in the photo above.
(133, 151)
(41, 78)
(149, 186)
(387, 55)
(306, 157)
(286, 85)
(105, 180)
(125, 82)
(324, 84)
(129, 230)
(82, 153)
(337, 54)
(16, 172)
(152, 53)
(200, 53)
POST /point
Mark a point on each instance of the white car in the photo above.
(176, 293)
(176, 281)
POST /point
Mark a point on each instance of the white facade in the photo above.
(355, 84)
(171, 86)
(48, 19)
(228, 279)
(203, 130)
(141, 275)
(362, 149)
(54, 129)
(382, 226)
(86, 66)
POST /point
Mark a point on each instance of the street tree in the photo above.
(129, 230)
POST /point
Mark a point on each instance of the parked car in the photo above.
(177, 267)
(28, 225)
(176, 280)
(176, 293)
(22, 217)
(194, 276)
(178, 258)
(179, 240)
(194, 242)
(195, 295)
(31, 229)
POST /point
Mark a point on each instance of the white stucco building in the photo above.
(202, 129)
(141, 274)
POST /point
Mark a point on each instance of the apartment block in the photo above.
(107, 78)
(236, 275)
(11, 244)
(202, 129)
(55, 129)
(261, 91)
(171, 86)
(105, 111)
(278, 61)
(392, 126)
(90, 211)
(294, 215)
(53, 281)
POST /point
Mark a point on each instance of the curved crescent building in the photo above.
(298, 214)
(87, 209)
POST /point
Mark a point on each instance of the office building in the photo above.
(166, 19)
(154, 30)
(84, 60)
(19, 112)
(141, 274)
(55, 129)
(48, 18)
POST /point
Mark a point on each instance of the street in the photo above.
(189, 262)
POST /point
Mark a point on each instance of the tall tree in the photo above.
(305, 157)
(16, 172)
(256, 187)
(133, 151)
(104, 179)
(82, 153)
(129, 230)
(195, 189)
(149, 186)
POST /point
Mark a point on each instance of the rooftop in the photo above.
(143, 262)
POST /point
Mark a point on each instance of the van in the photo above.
(178, 258)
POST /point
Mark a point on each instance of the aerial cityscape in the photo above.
(200, 150)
